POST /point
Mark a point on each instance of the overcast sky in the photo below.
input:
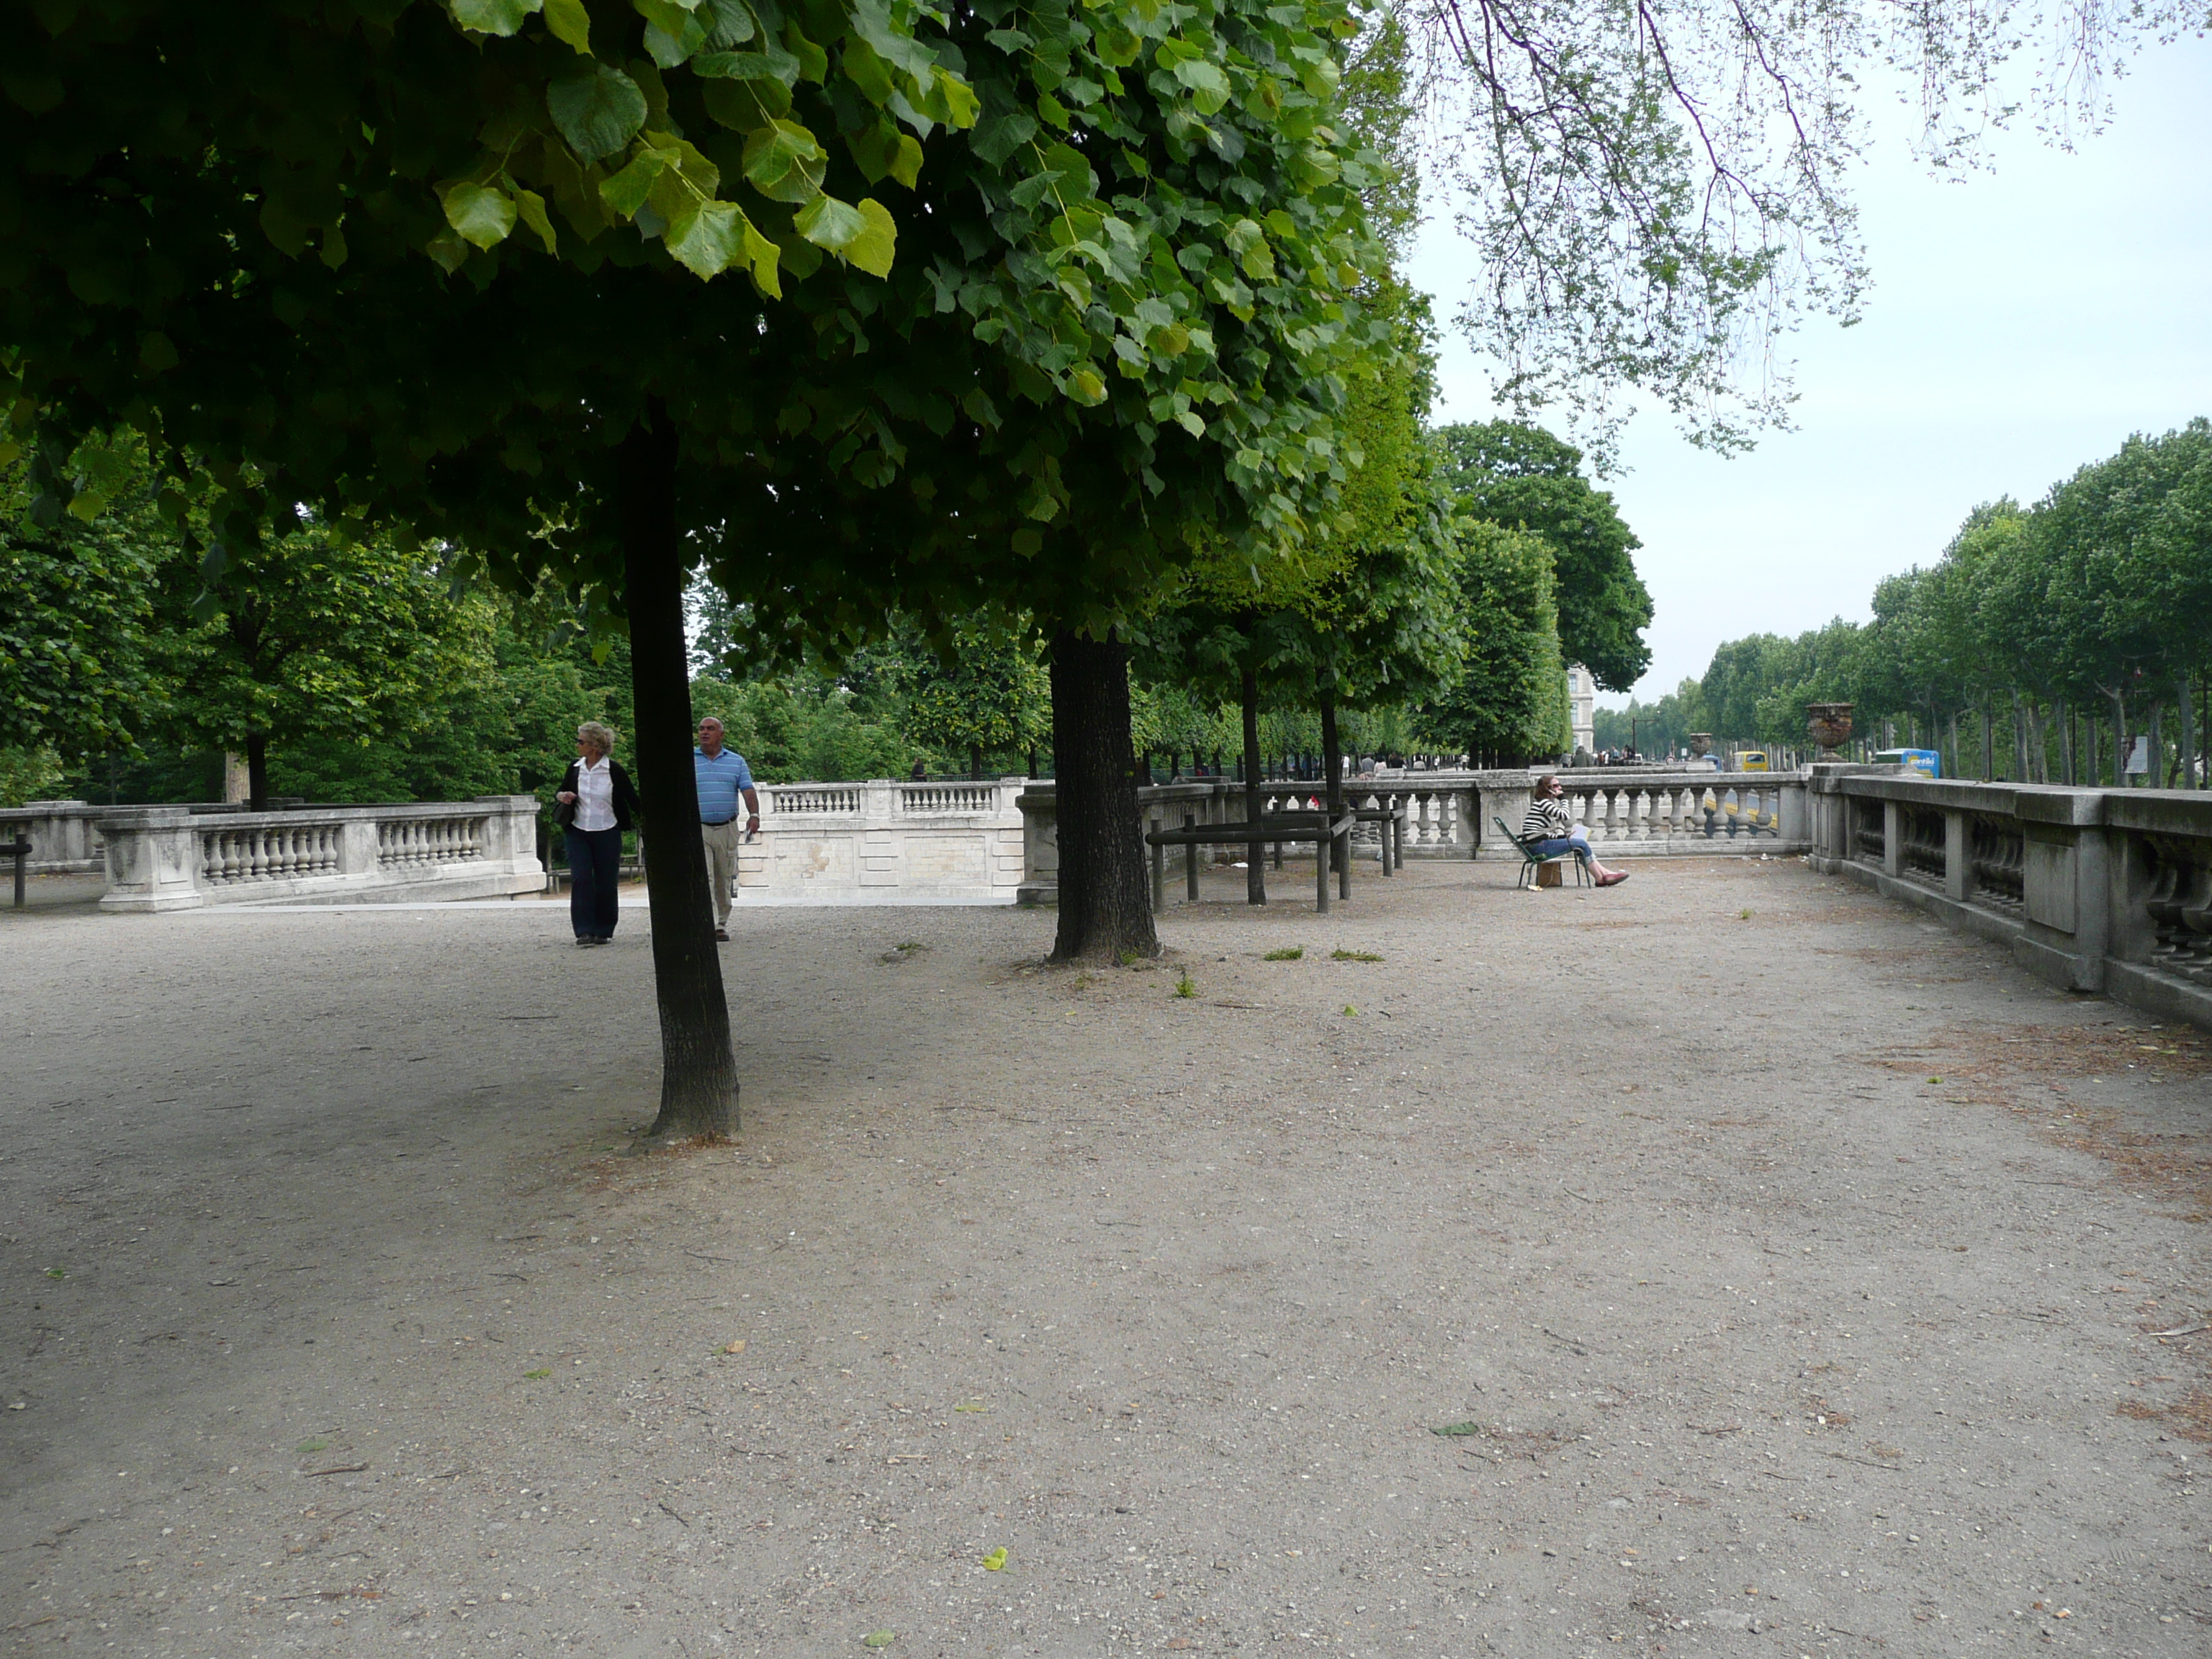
(2021, 323)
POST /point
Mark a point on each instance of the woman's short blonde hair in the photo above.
(599, 737)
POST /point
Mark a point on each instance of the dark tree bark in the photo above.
(1255, 877)
(1105, 899)
(257, 771)
(698, 1070)
(1331, 751)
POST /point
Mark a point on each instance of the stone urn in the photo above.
(1829, 725)
(1701, 744)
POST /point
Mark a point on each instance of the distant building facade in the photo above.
(1582, 707)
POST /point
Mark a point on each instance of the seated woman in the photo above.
(1552, 833)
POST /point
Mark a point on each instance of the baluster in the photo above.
(1639, 815)
(257, 854)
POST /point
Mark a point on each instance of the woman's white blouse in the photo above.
(595, 794)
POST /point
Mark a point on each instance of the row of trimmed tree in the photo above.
(2070, 641)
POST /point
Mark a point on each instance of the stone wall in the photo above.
(885, 843)
(181, 858)
(2093, 890)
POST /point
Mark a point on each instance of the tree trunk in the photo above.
(1989, 740)
(698, 1070)
(2119, 737)
(2062, 713)
(1105, 897)
(2188, 713)
(2154, 772)
(1256, 879)
(257, 771)
(974, 763)
(1331, 754)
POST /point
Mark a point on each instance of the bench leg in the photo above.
(1321, 875)
(1190, 864)
(1343, 852)
(1160, 878)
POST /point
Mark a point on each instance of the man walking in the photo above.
(722, 776)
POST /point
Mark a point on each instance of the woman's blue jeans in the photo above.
(594, 868)
(1574, 841)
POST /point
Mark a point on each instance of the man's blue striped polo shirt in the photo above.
(721, 781)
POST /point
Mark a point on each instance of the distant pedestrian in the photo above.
(722, 776)
(595, 804)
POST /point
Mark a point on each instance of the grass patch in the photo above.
(1353, 956)
(1288, 953)
(1185, 986)
(307, 1446)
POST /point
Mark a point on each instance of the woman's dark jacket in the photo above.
(625, 803)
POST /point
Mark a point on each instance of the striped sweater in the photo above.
(1547, 820)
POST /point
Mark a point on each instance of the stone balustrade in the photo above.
(65, 836)
(2094, 889)
(1632, 811)
(885, 843)
(182, 858)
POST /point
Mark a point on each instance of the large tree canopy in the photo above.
(312, 246)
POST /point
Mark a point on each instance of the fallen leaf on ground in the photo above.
(1458, 1428)
(996, 1560)
(879, 1638)
(737, 1346)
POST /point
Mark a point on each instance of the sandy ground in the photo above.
(1729, 1263)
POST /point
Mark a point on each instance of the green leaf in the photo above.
(996, 139)
(532, 206)
(570, 23)
(1086, 387)
(996, 1560)
(829, 223)
(732, 24)
(534, 1376)
(1453, 1430)
(707, 240)
(482, 214)
(501, 17)
(156, 354)
(813, 61)
(770, 63)
(784, 163)
(1172, 341)
(628, 190)
(878, 243)
(448, 250)
(865, 68)
(745, 105)
(671, 17)
(1208, 86)
(598, 108)
(879, 1638)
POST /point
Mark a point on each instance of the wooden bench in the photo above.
(1319, 828)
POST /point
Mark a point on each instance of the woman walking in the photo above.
(594, 806)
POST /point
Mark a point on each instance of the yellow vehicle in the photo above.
(1751, 760)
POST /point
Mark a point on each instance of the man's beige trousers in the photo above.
(722, 841)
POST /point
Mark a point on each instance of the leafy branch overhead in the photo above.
(600, 137)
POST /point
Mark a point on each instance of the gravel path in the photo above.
(1784, 1270)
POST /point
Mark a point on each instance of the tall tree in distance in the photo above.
(1508, 704)
(1523, 477)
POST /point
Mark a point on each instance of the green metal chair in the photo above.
(1530, 859)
